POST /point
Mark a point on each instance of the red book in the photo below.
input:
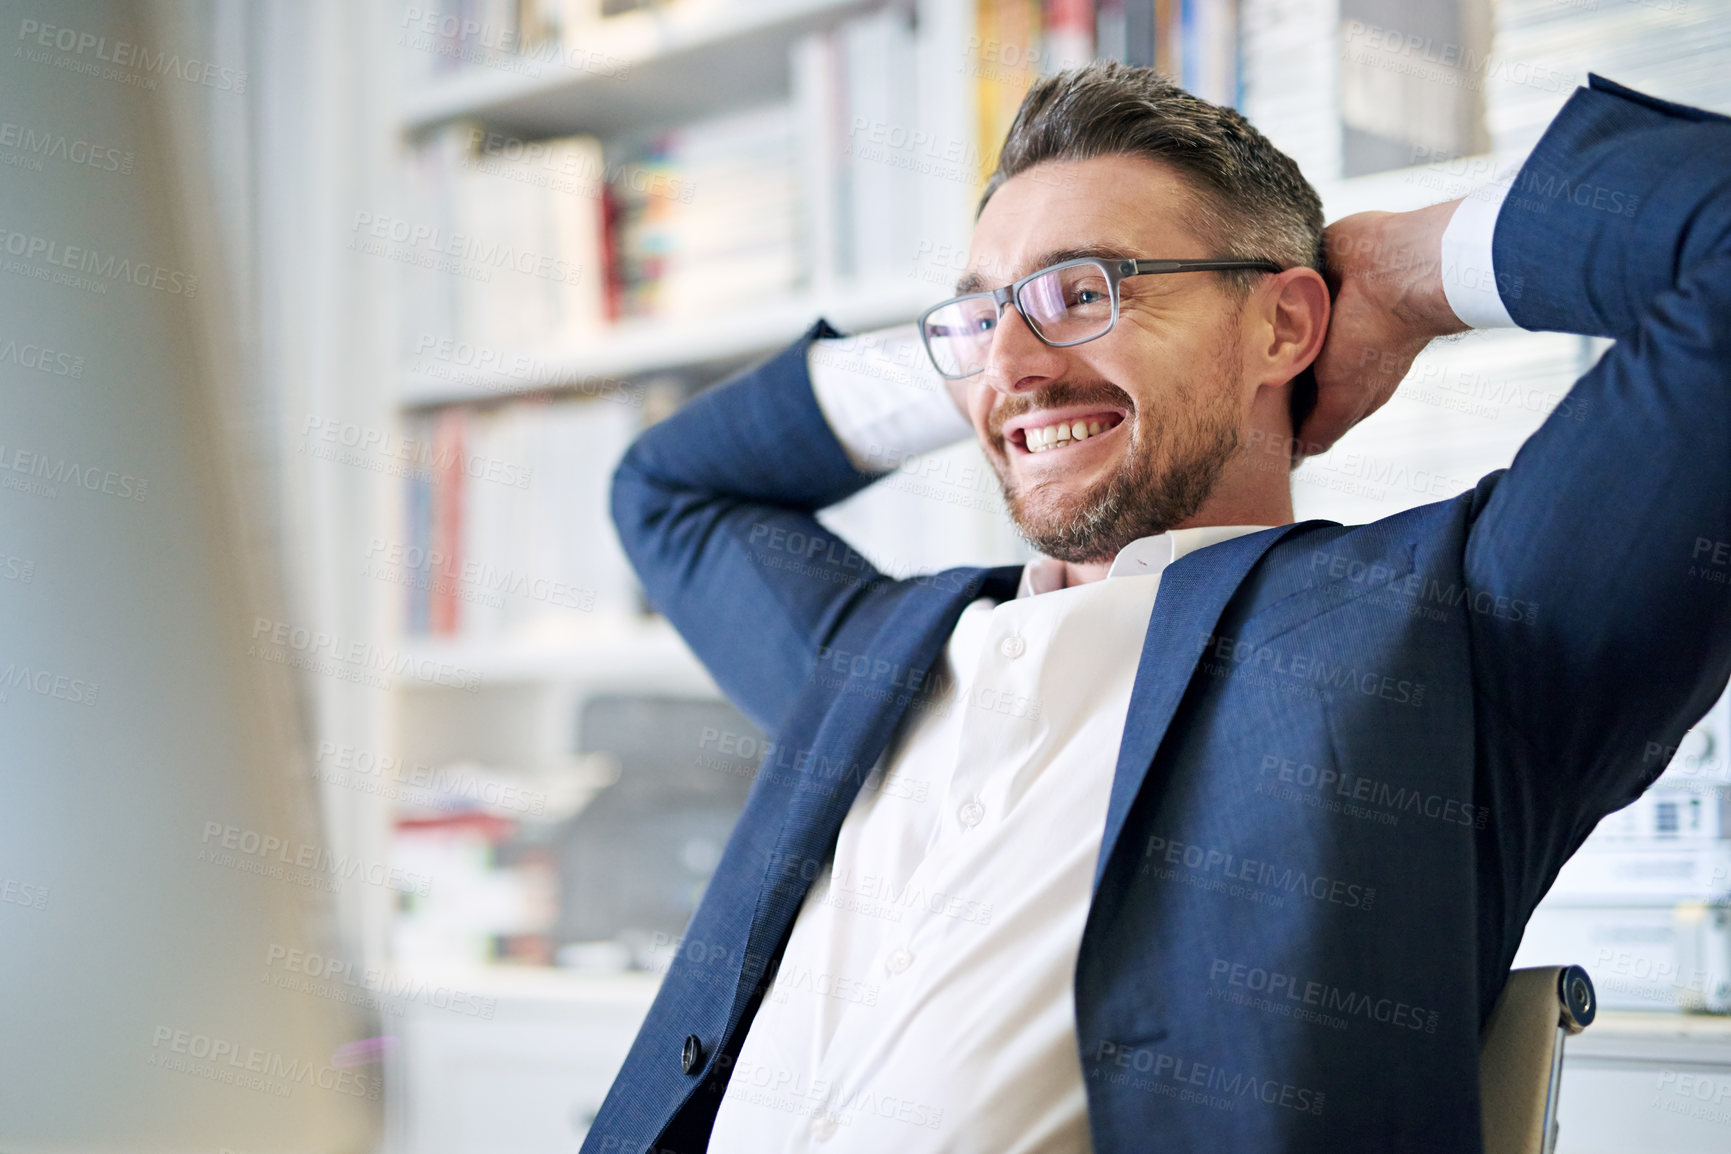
(447, 537)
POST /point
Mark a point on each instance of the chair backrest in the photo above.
(1521, 1056)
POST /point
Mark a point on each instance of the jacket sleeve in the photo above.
(714, 506)
(1613, 524)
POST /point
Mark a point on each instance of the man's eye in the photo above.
(1089, 296)
(986, 324)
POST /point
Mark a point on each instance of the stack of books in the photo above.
(703, 219)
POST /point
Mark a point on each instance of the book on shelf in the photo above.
(857, 102)
(503, 240)
(506, 522)
(1195, 42)
(702, 217)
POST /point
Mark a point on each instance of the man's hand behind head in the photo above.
(1384, 269)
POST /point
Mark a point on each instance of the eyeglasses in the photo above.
(1064, 304)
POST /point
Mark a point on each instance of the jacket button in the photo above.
(691, 1056)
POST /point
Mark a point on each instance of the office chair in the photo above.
(1521, 1056)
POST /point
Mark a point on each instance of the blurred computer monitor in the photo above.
(161, 861)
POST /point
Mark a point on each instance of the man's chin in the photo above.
(1070, 528)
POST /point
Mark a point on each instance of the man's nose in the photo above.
(1018, 360)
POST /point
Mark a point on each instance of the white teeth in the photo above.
(1046, 436)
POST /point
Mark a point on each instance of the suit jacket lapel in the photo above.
(869, 704)
(1194, 591)
(849, 729)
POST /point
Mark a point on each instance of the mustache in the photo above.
(1054, 396)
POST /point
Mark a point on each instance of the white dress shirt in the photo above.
(925, 999)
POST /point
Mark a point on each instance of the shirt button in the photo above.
(970, 813)
(1012, 647)
(823, 1127)
(898, 961)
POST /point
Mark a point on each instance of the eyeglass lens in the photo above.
(1064, 306)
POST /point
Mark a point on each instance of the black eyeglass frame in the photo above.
(1115, 270)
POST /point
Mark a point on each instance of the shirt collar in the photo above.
(1143, 557)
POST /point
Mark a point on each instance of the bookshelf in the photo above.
(635, 348)
(662, 65)
(508, 405)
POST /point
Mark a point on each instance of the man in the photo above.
(1206, 831)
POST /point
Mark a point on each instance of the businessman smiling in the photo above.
(1051, 945)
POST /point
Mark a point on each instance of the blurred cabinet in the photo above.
(1647, 1084)
(527, 1080)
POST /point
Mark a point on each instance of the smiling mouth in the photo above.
(1060, 434)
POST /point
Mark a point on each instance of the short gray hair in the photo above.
(1250, 198)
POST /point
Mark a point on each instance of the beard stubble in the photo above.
(1164, 476)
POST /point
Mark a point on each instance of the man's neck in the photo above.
(1081, 574)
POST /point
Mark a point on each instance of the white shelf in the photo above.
(657, 66)
(535, 983)
(636, 347)
(631, 653)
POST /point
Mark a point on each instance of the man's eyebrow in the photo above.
(973, 282)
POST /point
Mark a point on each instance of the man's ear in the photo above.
(1296, 309)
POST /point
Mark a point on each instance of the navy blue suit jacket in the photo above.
(1355, 757)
